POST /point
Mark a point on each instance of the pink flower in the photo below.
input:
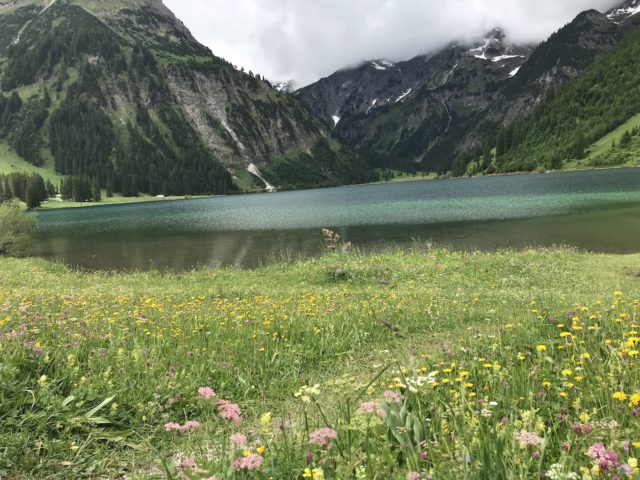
(250, 462)
(528, 438)
(322, 437)
(392, 397)
(173, 427)
(238, 439)
(230, 411)
(176, 427)
(605, 459)
(414, 476)
(371, 407)
(596, 450)
(191, 425)
(206, 392)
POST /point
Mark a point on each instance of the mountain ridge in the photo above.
(155, 80)
(436, 123)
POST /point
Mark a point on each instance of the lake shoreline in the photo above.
(408, 179)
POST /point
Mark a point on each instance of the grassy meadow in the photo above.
(426, 364)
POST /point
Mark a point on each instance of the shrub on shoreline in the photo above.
(16, 229)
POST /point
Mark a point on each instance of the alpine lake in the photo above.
(596, 210)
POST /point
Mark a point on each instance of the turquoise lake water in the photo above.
(591, 210)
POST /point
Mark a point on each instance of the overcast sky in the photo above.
(305, 40)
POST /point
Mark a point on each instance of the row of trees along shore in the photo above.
(32, 189)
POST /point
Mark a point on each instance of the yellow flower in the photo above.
(585, 356)
(567, 372)
(265, 420)
(617, 293)
(635, 399)
(315, 474)
(636, 445)
(246, 453)
(541, 348)
(621, 396)
(261, 449)
(565, 335)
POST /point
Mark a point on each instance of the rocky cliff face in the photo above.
(405, 110)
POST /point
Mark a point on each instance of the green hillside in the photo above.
(11, 162)
(121, 93)
(578, 124)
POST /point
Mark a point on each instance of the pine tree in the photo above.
(625, 141)
(96, 194)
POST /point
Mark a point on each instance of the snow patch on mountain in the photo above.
(377, 66)
(481, 52)
(286, 87)
(628, 10)
(500, 58)
(514, 72)
(404, 95)
(336, 119)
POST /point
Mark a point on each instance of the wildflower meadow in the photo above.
(427, 364)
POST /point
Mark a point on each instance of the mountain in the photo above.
(625, 12)
(592, 121)
(438, 112)
(120, 91)
(555, 62)
(404, 110)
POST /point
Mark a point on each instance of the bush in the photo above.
(16, 229)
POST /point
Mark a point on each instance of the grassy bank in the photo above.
(115, 200)
(431, 363)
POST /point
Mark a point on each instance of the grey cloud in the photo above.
(307, 39)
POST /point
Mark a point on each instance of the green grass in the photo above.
(115, 200)
(95, 364)
(10, 162)
(247, 182)
(603, 146)
(403, 177)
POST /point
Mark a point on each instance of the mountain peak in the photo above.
(624, 11)
(496, 47)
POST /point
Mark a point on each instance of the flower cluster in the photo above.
(323, 437)
(187, 427)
